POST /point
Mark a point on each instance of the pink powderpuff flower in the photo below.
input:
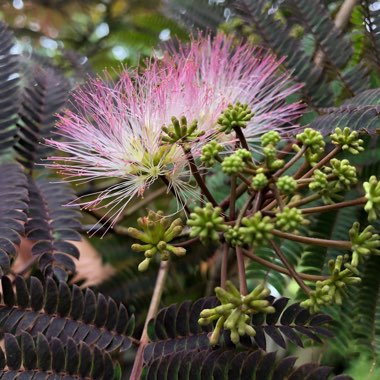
(229, 73)
(115, 132)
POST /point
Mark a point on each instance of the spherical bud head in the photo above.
(372, 193)
(347, 140)
(232, 165)
(345, 172)
(286, 185)
(210, 153)
(276, 164)
(206, 222)
(320, 181)
(256, 230)
(235, 116)
(312, 139)
(244, 154)
(270, 138)
(270, 152)
(234, 237)
(289, 219)
(259, 181)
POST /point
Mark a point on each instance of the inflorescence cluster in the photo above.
(279, 188)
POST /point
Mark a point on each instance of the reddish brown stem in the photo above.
(153, 308)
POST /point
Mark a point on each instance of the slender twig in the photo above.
(233, 198)
(153, 308)
(294, 159)
(240, 190)
(324, 161)
(278, 196)
(290, 268)
(303, 201)
(198, 178)
(224, 265)
(280, 269)
(187, 242)
(241, 137)
(245, 208)
(241, 271)
(300, 171)
(335, 206)
(341, 244)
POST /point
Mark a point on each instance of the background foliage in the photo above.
(52, 46)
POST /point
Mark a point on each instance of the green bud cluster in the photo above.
(233, 164)
(210, 153)
(333, 289)
(290, 219)
(272, 162)
(235, 311)
(270, 138)
(314, 142)
(326, 188)
(259, 181)
(156, 231)
(347, 140)
(206, 222)
(286, 184)
(345, 173)
(235, 116)
(179, 130)
(372, 193)
(234, 237)
(256, 230)
(244, 154)
(363, 243)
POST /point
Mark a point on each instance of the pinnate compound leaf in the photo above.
(53, 317)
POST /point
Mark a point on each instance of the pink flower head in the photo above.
(115, 132)
(229, 74)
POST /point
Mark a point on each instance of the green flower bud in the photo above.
(235, 311)
(210, 153)
(286, 184)
(256, 230)
(233, 236)
(325, 188)
(333, 289)
(235, 116)
(156, 231)
(232, 165)
(289, 219)
(345, 173)
(270, 138)
(372, 193)
(276, 164)
(314, 142)
(270, 153)
(143, 266)
(363, 243)
(259, 181)
(180, 131)
(347, 140)
(206, 223)
(244, 154)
